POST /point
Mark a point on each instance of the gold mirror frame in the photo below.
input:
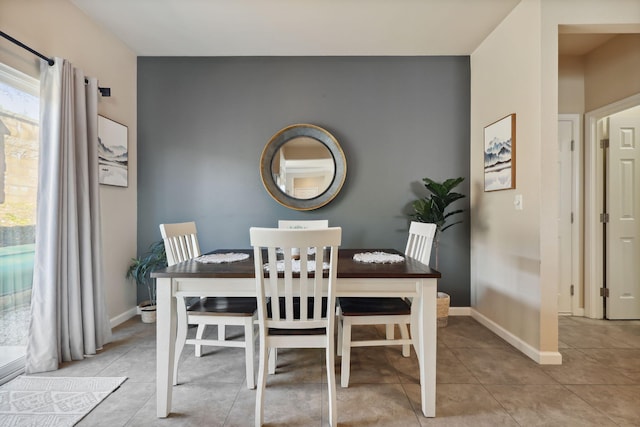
(272, 149)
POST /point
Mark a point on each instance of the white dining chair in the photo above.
(181, 244)
(293, 309)
(382, 311)
(294, 224)
(304, 224)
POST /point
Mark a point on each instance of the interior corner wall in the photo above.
(505, 242)
(57, 28)
(611, 71)
(571, 87)
(611, 16)
(603, 76)
(514, 256)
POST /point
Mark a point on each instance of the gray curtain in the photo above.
(68, 312)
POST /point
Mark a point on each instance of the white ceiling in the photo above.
(310, 27)
(298, 27)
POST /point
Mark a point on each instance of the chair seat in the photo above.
(224, 306)
(374, 306)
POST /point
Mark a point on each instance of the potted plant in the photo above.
(139, 271)
(434, 208)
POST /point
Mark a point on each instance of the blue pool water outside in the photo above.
(16, 268)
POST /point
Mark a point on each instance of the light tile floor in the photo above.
(482, 381)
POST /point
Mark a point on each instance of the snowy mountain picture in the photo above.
(113, 153)
(499, 149)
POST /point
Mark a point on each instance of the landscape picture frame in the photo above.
(113, 153)
(500, 154)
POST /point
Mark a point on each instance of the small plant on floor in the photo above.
(140, 268)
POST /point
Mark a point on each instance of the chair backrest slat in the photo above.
(290, 286)
(180, 241)
(304, 282)
(420, 241)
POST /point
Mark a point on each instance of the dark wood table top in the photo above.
(347, 267)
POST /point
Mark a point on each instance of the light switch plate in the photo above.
(517, 202)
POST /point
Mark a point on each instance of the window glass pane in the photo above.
(19, 145)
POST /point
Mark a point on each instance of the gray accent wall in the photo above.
(203, 122)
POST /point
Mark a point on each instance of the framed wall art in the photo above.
(500, 154)
(113, 152)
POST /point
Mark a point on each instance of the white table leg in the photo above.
(165, 345)
(426, 343)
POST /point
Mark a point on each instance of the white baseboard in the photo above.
(459, 311)
(12, 370)
(121, 318)
(540, 357)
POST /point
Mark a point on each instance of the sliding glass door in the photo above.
(19, 146)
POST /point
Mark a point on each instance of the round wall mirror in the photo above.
(303, 167)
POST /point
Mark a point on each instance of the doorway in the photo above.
(611, 232)
(570, 290)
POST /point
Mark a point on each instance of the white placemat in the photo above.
(377, 257)
(295, 266)
(220, 258)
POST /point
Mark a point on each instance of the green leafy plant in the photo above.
(140, 268)
(434, 207)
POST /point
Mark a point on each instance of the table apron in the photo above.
(387, 287)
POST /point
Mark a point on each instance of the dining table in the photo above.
(408, 278)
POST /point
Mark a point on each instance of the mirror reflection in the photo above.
(303, 168)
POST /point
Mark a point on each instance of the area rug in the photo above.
(52, 401)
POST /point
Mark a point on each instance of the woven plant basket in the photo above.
(443, 309)
(147, 312)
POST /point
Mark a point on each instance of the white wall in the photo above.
(612, 71)
(57, 28)
(514, 253)
(570, 84)
(505, 243)
(601, 77)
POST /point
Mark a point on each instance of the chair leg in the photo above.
(199, 336)
(390, 328)
(331, 383)
(339, 323)
(181, 335)
(346, 353)
(404, 333)
(249, 352)
(262, 381)
(273, 360)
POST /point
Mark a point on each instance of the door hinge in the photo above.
(573, 145)
(571, 290)
(604, 143)
(571, 217)
(604, 218)
(604, 292)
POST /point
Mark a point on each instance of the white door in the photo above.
(623, 207)
(565, 174)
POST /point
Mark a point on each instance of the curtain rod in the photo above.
(104, 91)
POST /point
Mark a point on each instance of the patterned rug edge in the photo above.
(49, 401)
